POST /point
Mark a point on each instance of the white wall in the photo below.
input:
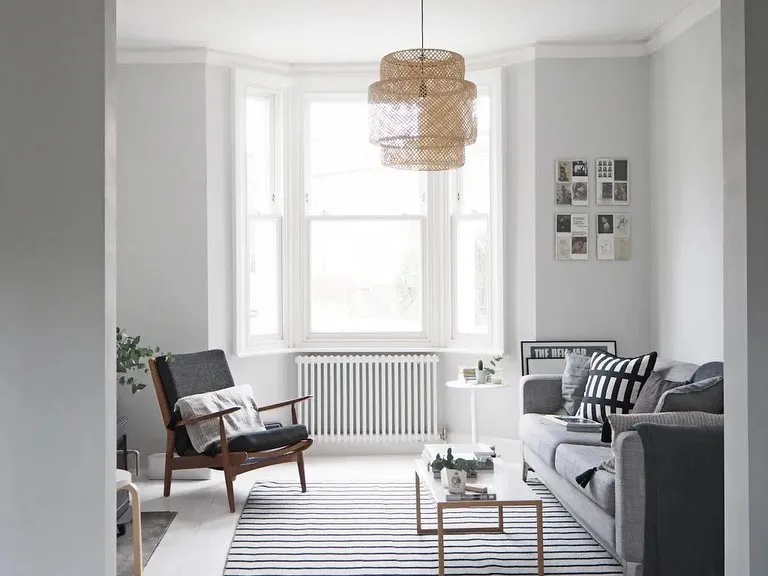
(591, 108)
(687, 195)
(180, 144)
(162, 264)
(57, 300)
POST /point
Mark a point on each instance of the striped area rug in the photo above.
(357, 529)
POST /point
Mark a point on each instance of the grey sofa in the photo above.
(611, 507)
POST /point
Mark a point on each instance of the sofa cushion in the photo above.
(673, 370)
(572, 459)
(708, 370)
(651, 393)
(544, 437)
(574, 380)
(702, 396)
(614, 384)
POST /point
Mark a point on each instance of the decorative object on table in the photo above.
(571, 182)
(473, 388)
(548, 356)
(574, 423)
(481, 376)
(614, 384)
(490, 370)
(422, 110)
(132, 360)
(482, 454)
(571, 236)
(208, 371)
(612, 181)
(467, 373)
(453, 472)
(613, 236)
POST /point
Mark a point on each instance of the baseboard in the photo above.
(506, 448)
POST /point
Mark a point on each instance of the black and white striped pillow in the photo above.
(613, 384)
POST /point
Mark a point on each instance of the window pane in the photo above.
(476, 173)
(346, 175)
(472, 277)
(365, 276)
(259, 154)
(263, 277)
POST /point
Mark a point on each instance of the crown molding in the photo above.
(204, 55)
(694, 12)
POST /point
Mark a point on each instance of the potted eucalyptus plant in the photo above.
(132, 360)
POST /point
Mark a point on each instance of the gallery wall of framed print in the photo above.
(612, 182)
(548, 356)
(572, 182)
(613, 236)
(571, 236)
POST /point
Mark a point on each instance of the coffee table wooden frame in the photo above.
(441, 530)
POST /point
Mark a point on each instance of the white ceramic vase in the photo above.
(481, 376)
(454, 480)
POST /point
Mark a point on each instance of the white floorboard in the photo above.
(197, 541)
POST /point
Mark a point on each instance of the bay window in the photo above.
(336, 252)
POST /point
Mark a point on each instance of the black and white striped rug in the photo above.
(357, 529)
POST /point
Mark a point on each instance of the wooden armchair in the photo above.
(200, 372)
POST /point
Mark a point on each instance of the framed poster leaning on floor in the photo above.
(548, 356)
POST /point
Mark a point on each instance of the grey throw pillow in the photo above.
(703, 396)
(651, 393)
(574, 381)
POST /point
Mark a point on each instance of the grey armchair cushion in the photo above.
(574, 381)
(702, 396)
(263, 440)
(195, 373)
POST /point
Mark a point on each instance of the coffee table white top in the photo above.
(471, 384)
(504, 481)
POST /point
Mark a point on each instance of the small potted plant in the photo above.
(481, 374)
(453, 472)
(492, 370)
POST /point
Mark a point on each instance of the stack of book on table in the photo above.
(575, 423)
(471, 492)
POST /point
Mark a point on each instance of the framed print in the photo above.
(548, 356)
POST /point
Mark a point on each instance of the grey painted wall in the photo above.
(162, 274)
(687, 195)
(590, 108)
(57, 300)
(745, 137)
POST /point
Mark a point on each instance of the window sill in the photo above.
(367, 348)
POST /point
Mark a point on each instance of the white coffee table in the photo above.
(510, 491)
(473, 388)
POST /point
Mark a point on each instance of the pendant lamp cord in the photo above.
(422, 28)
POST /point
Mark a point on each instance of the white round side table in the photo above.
(123, 482)
(473, 388)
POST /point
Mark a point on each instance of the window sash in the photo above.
(420, 336)
(256, 339)
(456, 335)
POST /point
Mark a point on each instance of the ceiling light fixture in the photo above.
(422, 112)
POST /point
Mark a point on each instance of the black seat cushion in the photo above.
(263, 440)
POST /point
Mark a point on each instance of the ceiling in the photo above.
(336, 31)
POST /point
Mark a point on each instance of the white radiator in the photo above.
(369, 398)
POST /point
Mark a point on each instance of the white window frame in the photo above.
(489, 83)
(438, 228)
(273, 88)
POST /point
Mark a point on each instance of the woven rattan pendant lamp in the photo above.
(422, 111)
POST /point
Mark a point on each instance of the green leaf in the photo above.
(141, 386)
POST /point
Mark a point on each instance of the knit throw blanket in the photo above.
(203, 434)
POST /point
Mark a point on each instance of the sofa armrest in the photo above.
(630, 496)
(541, 393)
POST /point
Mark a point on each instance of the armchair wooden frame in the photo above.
(231, 463)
